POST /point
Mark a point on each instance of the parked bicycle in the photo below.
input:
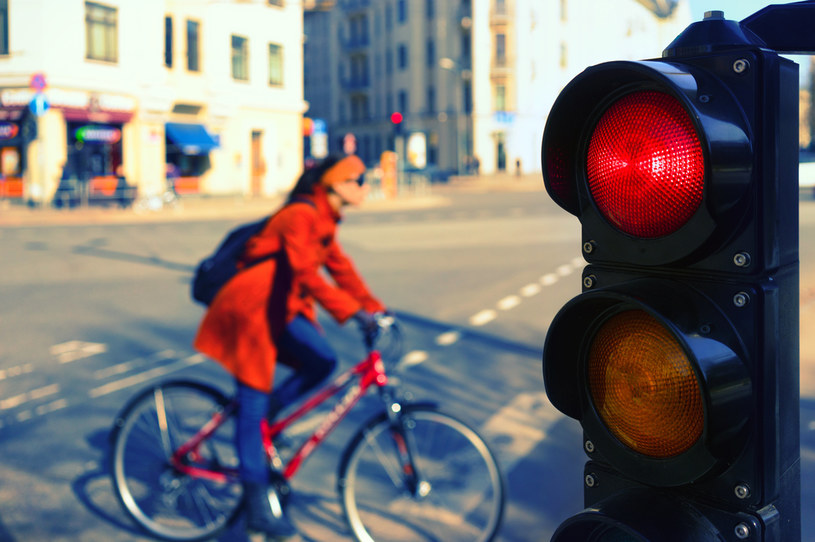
(411, 472)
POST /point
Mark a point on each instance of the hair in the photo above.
(311, 177)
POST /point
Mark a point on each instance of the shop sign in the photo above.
(8, 130)
(98, 134)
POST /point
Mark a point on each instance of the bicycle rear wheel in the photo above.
(164, 501)
(429, 477)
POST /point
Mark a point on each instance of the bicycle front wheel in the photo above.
(166, 502)
(427, 477)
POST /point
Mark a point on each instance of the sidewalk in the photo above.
(192, 208)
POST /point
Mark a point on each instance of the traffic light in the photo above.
(680, 357)
(396, 122)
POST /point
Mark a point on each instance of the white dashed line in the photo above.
(412, 358)
(565, 270)
(51, 407)
(140, 378)
(448, 337)
(483, 317)
(509, 302)
(74, 350)
(16, 371)
(32, 395)
(549, 279)
(530, 289)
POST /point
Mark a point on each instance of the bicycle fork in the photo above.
(401, 428)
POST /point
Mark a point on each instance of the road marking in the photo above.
(530, 289)
(51, 407)
(412, 358)
(448, 337)
(565, 270)
(549, 279)
(140, 378)
(483, 317)
(509, 302)
(126, 366)
(25, 397)
(16, 371)
(74, 350)
(521, 425)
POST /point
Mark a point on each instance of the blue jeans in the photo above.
(301, 341)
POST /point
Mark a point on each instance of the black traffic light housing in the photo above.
(680, 357)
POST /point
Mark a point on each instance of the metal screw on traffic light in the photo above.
(680, 357)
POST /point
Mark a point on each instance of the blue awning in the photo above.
(191, 138)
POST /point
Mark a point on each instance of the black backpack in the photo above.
(215, 270)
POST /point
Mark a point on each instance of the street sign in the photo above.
(39, 104)
(37, 82)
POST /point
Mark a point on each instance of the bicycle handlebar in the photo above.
(386, 327)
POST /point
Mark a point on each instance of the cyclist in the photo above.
(266, 313)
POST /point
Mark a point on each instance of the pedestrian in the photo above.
(266, 313)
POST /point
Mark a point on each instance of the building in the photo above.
(473, 78)
(115, 91)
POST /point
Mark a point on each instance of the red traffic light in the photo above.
(654, 158)
(396, 117)
(645, 165)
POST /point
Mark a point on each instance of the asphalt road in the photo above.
(93, 311)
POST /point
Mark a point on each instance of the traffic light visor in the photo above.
(645, 165)
(643, 385)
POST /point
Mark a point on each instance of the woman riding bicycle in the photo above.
(266, 313)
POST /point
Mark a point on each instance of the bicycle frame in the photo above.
(356, 380)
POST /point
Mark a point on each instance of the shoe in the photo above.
(264, 513)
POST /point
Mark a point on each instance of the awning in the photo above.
(191, 138)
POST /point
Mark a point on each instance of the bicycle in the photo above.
(410, 472)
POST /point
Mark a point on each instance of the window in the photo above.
(276, 3)
(4, 27)
(431, 54)
(403, 56)
(240, 58)
(193, 47)
(500, 98)
(101, 32)
(431, 99)
(168, 42)
(275, 64)
(430, 10)
(500, 49)
(402, 15)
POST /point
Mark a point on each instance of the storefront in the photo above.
(11, 160)
(188, 147)
(93, 169)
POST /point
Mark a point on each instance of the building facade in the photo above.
(475, 78)
(207, 94)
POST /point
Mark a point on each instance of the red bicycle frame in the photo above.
(357, 380)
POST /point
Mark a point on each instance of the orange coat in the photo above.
(241, 325)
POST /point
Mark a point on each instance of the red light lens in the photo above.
(645, 165)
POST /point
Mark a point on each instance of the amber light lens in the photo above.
(645, 165)
(643, 385)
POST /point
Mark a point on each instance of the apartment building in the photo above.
(207, 93)
(474, 78)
